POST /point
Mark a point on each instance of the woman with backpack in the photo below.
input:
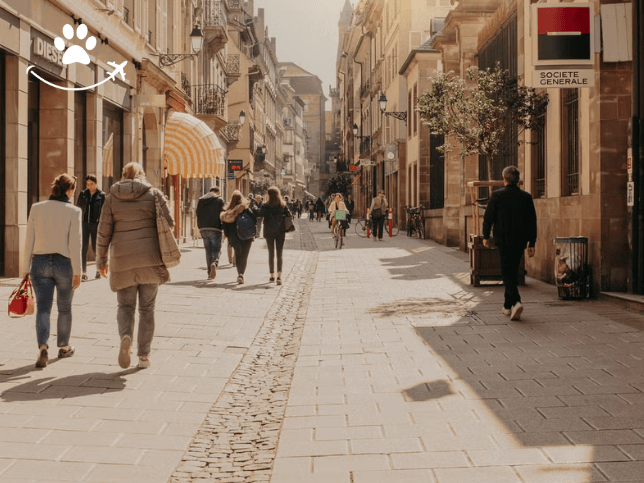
(239, 223)
(274, 212)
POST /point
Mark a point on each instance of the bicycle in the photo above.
(415, 222)
(338, 228)
(363, 225)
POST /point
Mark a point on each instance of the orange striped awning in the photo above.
(192, 149)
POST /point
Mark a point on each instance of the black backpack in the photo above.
(246, 227)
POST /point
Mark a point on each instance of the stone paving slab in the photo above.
(86, 419)
(408, 373)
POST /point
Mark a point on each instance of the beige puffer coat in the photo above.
(128, 228)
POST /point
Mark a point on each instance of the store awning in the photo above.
(192, 149)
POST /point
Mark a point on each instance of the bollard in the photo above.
(391, 222)
(368, 231)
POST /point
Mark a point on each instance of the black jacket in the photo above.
(511, 212)
(208, 211)
(274, 220)
(319, 205)
(91, 204)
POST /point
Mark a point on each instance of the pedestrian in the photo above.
(275, 212)
(335, 205)
(511, 215)
(52, 260)
(209, 210)
(238, 230)
(259, 202)
(378, 211)
(90, 201)
(128, 233)
(298, 208)
(310, 206)
(350, 206)
(319, 208)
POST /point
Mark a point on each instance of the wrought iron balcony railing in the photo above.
(365, 145)
(233, 65)
(365, 89)
(185, 85)
(215, 14)
(210, 100)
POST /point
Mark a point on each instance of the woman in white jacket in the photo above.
(335, 205)
(53, 261)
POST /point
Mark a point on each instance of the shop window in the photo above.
(570, 141)
(539, 149)
(414, 113)
(436, 172)
(3, 128)
(33, 146)
(410, 112)
(80, 140)
(112, 145)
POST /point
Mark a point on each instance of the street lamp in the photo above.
(196, 41)
(382, 101)
(242, 117)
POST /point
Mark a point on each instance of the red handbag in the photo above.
(21, 301)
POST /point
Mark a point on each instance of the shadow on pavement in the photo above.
(414, 307)
(428, 391)
(65, 387)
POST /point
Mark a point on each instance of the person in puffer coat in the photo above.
(128, 230)
(235, 207)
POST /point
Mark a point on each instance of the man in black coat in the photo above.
(91, 202)
(511, 212)
(209, 209)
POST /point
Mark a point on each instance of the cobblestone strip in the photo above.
(238, 440)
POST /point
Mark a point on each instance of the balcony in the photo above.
(185, 85)
(211, 105)
(365, 145)
(365, 89)
(215, 25)
(233, 70)
(234, 5)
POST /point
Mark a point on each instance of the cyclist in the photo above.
(336, 204)
(378, 211)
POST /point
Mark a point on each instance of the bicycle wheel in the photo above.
(420, 229)
(394, 229)
(361, 228)
(340, 236)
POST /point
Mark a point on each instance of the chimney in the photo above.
(274, 42)
(259, 25)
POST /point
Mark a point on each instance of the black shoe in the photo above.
(84, 278)
(98, 275)
(272, 279)
(42, 357)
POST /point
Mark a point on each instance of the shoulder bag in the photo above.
(21, 301)
(289, 226)
(170, 253)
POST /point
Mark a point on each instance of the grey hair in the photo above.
(511, 174)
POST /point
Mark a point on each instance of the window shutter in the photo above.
(119, 7)
(145, 18)
(137, 15)
(164, 26)
(159, 24)
(111, 4)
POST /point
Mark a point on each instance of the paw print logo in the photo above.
(75, 53)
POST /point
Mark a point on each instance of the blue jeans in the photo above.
(212, 244)
(126, 299)
(49, 272)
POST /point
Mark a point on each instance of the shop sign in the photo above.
(235, 165)
(47, 51)
(150, 101)
(353, 167)
(564, 78)
(630, 193)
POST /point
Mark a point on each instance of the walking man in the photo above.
(512, 215)
(91, 202)
(209, 208)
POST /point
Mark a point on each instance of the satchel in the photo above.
(21, 301)
(289, 226)
(170, 253)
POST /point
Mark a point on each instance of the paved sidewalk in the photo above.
(408, 374)
(86, 419)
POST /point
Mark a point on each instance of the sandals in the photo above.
(65, 352)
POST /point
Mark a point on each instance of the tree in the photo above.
(259, 186)
(477, 111)
(338, 183)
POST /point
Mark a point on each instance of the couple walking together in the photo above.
(237, 221)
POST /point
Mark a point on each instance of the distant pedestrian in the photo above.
(310, 207)
(91, 202)
(378, 211)
(298, 208)
(209, 210)
(53, 261)
(511, 215)
(350, 206)
(128, 233)
(236, 223)
(275, 212)
(259, 202)
(319, 208)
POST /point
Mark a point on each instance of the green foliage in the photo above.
(478, 110)
(259, 186)
(338, 183)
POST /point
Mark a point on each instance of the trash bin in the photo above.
(572, 272)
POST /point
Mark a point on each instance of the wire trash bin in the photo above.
(572, 272)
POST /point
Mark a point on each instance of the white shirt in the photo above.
(54, 227)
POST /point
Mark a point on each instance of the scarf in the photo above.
(62, 198)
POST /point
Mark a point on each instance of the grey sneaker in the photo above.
(124, 352)
(240, 279)
(516, 311)
(144, 362)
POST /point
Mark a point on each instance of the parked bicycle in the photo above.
(363, 225)
(415, 222)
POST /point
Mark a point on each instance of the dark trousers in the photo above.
(89, 230)
(212, 245)
(241, 255)
(378, 226)
(510, 260)
(272, 244)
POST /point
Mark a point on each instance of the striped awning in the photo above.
(192, 149)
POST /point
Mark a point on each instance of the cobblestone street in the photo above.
(374, 363)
